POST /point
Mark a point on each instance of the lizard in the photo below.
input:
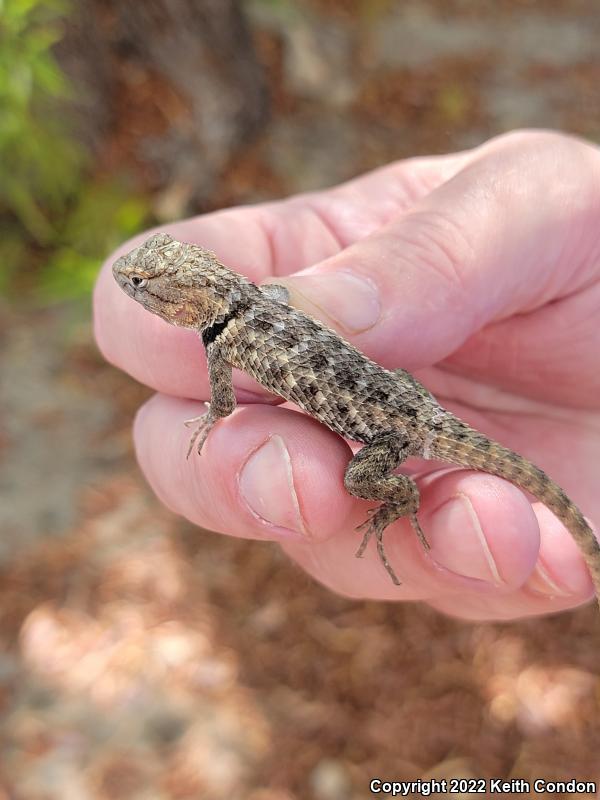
(300, 359)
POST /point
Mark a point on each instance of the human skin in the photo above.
(477, 271)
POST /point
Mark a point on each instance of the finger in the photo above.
(520, 585)
(504, 608)
(272, 473)
(512, 230)
(262, 473)
(559, 581)
(260, 241)
(543, 354)
(482, 534)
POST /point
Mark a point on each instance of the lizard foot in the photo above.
(375, 524)
(369, 529)
(204, 423)
(419, 531)
(377, 521)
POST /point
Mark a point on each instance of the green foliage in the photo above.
(57, 223)
(105, 215)
(41, 165)
(453, 103)
(281, 10)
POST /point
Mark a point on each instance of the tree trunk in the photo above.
(203, 51)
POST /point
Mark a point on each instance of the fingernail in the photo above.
(541, 582)
(458, 542)
(266, 483)
(350, 301)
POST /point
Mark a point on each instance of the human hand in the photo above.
(478, 271)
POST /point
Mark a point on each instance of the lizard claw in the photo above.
(370, 526)
(377, 521)
(367, 522)
(204, 424)
(370, 530)
(419, 531)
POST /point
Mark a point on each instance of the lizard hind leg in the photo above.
(369, 475)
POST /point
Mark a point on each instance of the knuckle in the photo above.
(441, 244)
(540, 142)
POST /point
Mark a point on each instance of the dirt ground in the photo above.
(143, 658)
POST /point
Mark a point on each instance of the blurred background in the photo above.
(142, 658)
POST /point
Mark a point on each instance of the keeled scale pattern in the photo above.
(302, 360)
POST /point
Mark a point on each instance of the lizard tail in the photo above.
(468, 448)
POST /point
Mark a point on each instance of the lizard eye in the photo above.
(137, 282)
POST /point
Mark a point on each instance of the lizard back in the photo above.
(302, 360)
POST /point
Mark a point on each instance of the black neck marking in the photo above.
(210, 334)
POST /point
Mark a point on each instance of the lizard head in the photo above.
(179, 282)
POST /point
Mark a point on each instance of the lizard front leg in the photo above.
(369, 475)
(222, 397)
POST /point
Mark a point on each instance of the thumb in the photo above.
(503, 235)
